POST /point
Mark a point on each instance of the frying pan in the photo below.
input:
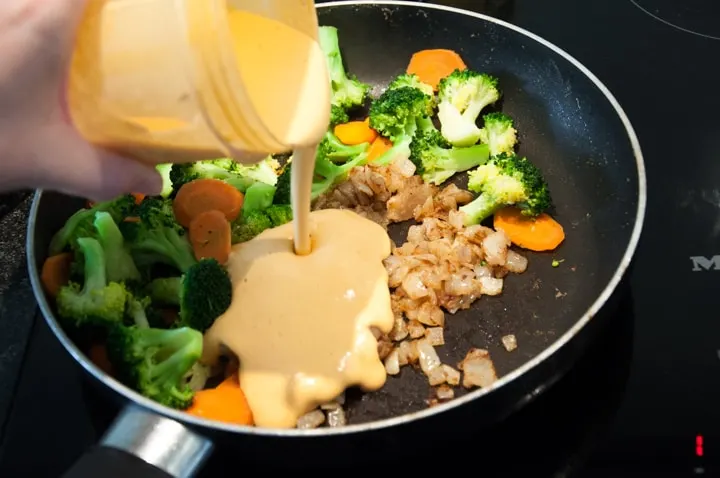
(569, 124)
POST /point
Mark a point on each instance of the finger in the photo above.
(64, 16)
(77, 168)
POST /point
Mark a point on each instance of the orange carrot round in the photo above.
(210, 236)
(203, 195)
(542, 233)
(431, 66)
(225, 403)
(378, 147)
(55, 273)
(355, 132)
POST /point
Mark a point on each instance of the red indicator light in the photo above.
(699, 445)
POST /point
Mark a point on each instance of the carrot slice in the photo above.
(138, 197)
(431, 66)
(355, 132)
(98, 356)
(225, 403)
(210, 236)
(203, 195)
(56, 272)
(542, 233)
(378, 147)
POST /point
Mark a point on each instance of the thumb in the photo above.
(80, 169)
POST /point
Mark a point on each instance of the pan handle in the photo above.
(141, 444)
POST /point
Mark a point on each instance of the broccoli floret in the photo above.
(413, 81)
(347, 91)
(164, 170)
(157, 238)
(258, 197)
(338, 116)
(119, 264)
(250, 225)
(327, 175)
(97, 302)
(154, 362)
(463, 95)
(436, 161)
(279, 214)
(137, 310)
(499, 133)
(282, 188)
(395, 115)
(80, 224)
(203, 294)
(332, 148)
(504, 181)
(237, 175)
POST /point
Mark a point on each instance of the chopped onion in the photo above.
(478, 369)
(444, 393)
(483, 271)
(392, 362)
(452, 376)
(436, 376)
(336, 418)
(491, 285)
(509, 342)
(413, 286)
(496, 246)
(399, 331)
(311, 420)
(427, 356)
(384, 348)
(435, 336)
(403, 166)
(515, 262)
(415, 329)
(407, 353)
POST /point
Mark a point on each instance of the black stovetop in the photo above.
(639, 400)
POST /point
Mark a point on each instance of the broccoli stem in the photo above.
(167, 244)
(178, 350)
(136, 310)
(119, 264)
(62, 237)
(95, 276)
(330, 45)
(462, 159)
(258, 197)
(479, 209)
(399, 149)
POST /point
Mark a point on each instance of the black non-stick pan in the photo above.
(569, 125)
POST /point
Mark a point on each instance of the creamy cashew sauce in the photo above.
(300, 324)
(306, 296)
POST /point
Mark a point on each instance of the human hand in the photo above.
(39, 148)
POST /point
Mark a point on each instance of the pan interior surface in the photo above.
(567, 125)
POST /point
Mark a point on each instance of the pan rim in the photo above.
(181, 417)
